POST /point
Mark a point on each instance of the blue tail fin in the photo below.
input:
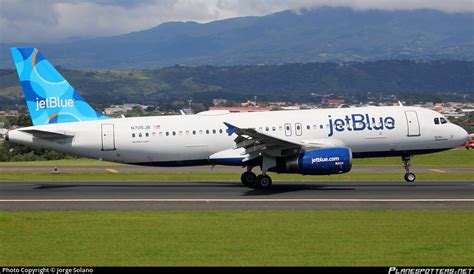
(49, 97)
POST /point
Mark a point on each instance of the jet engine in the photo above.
(322, 161)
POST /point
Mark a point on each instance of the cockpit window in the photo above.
(443, 121)
(436, 121)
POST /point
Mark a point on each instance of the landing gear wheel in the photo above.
(248, 178)
(410, 177)
(263, 182)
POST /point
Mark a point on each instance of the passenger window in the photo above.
(146, 134)
(133, 135)
(174, 133)
(308, 127)
(167, 133)
(200, 132)
(214, 131)
(436, 121)
(161, 133)
(139, 135)
(273, 128)
(194, 132)
(267, 128)
(220, 130)
(280, 128)
(207, 131)
(443, 121)
(321, 126)
(180, 133)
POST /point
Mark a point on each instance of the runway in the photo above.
(233, 196)
(145, 169)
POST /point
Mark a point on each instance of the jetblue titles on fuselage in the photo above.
(359, 122)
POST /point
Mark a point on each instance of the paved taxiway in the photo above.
(144, 169)
(232, 195)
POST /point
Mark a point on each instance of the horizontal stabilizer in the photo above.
(43, 134)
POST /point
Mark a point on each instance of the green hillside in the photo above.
(408, 80)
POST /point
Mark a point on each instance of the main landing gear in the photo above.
(249, 179)
(409, 176)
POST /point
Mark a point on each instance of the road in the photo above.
(187, 195)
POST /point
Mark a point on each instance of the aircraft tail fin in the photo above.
(49, 97)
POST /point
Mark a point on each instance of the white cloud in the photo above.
(50, 20)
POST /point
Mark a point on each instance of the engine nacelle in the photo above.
(321, 161)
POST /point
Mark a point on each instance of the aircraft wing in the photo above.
(255, 143)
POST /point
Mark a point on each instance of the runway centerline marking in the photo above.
(234, 200)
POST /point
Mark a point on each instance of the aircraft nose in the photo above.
(461, 135)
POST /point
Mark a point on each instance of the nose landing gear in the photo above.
(409, 176)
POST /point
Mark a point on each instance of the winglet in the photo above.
(230, 128)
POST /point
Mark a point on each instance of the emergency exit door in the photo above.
(108, 138)
(412, 123)
(288, 129)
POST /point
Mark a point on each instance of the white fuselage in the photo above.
(192, 139)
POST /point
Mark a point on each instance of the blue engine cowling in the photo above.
(321, 161)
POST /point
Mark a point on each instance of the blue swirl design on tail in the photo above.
(49, 97)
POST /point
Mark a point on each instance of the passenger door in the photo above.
(108, 138)
(412, 123)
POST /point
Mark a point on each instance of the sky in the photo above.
(56, 20)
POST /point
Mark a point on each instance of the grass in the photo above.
(237, 238)
(210, 176)
(446, 158)
(59, 163)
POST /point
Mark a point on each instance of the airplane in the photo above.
(308, 142)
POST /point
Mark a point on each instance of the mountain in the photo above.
(408, 80)
(317, 35)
